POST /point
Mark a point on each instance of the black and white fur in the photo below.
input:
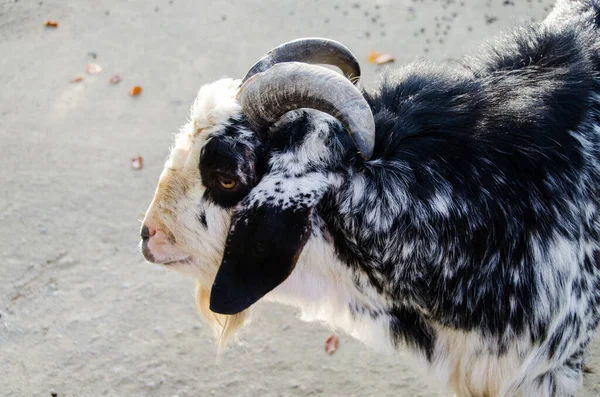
(471, 237)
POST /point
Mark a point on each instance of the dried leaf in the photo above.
(135, 91)
(137, 162)
(379, 58)
(93, 68)
(373, 56)
(331, 344)
(51, 24)
(77, 79)
(115, 79)
(384, 58)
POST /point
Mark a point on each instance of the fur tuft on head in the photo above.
(214, 104)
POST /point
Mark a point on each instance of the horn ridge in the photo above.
(312, 50)
(268, 95)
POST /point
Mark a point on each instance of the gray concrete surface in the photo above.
(81, 313)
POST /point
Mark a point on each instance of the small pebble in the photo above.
(137, 162)
(490, 19)
(66, 261)
(115, 79)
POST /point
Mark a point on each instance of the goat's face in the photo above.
(217, 209)
(212, 166)
(234, 203)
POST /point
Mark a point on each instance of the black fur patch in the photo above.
(229, 155)
(260, 253)
(202, 219)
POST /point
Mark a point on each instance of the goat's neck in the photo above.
(328, 290)
(337, 278)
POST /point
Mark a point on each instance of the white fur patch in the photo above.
(214, 106)
(322, 287)
(178, 157)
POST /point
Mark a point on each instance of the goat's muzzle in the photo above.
(159, 246)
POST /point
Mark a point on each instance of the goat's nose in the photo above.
(147, 232)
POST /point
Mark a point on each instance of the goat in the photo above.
(453, 211)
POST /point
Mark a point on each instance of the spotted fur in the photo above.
(471, 237)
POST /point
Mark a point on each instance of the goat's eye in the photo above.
(227, 183)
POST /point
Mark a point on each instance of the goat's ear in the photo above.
(262, 248)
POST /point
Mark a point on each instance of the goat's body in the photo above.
(473, 235)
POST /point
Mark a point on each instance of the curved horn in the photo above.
(292, 85)
(310, 50)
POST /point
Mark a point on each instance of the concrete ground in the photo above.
(81, 313)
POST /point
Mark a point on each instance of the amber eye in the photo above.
(227, 183)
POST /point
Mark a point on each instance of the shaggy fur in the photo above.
(471, 236)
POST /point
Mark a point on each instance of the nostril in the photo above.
(147, 232)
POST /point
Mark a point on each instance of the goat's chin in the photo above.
(225, 327)
(187, 267)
